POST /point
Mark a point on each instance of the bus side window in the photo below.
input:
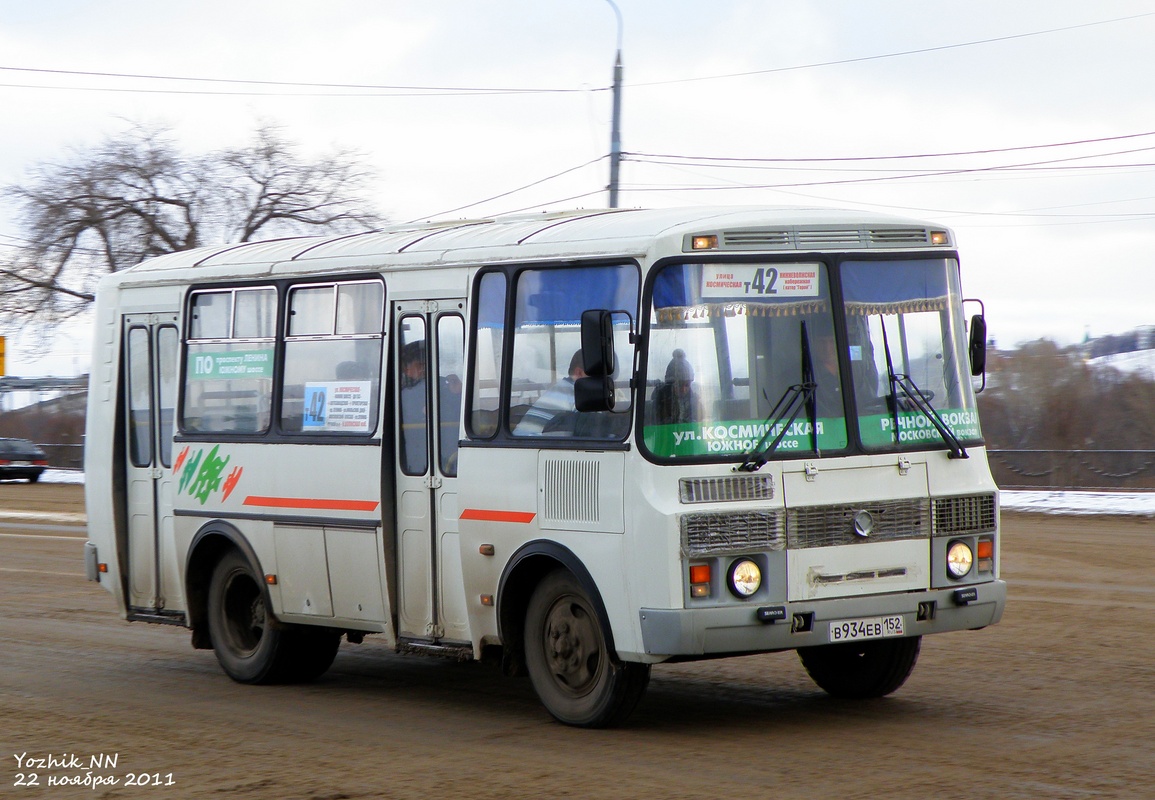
(547, 358)
(229, 371)
(489, 344)
(333, 358)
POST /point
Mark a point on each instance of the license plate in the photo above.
(853, 630)
(21, 463)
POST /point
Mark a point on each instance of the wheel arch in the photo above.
(522, 574)
(210, 543)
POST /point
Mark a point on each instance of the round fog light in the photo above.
(959, 559)
(745, 577)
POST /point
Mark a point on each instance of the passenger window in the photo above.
(547, 350)
(229, 372)
(333, 346)
(485, 399)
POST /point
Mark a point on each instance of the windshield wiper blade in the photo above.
(797, 397)
(918, 399)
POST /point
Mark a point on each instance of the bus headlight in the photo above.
(959, 559)
(745, 578)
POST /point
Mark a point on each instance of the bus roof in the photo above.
(572, 234)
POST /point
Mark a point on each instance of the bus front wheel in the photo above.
(578, 679)
(250, 644)
(859, 670)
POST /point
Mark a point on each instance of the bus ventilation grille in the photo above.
(969, 514)
(804, 238)
(720, 490)
(570, 490)
(717, 534)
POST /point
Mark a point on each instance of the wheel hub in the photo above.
(573, 648)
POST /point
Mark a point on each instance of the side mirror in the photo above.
(598, 343)
(594, 393)
(978, 344)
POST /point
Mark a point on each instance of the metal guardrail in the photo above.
(1073, 469)
(64, 456)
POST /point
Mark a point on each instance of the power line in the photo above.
(518, 189)
(1050, 164)
(339, 89)
(208, 93)
(899, 54)
(902, 157)
(372, 89)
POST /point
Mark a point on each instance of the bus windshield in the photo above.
(742, 357)
(908, 354)
(742, 360)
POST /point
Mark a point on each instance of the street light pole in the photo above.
(616, 122)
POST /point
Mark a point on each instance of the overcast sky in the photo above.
(1029, 127)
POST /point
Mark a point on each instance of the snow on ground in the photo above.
(1141, 504)
(1129, 504)
(62, 476)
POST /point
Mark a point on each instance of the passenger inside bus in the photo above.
(553, 413)
(824, 355)
(676, 400)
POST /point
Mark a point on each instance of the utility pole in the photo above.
(616, 123)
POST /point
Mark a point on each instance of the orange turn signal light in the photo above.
(986, 548)
(700, 573)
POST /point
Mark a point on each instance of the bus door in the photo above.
(428, 358)
(151, 347)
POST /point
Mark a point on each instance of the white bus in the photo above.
(579, 443)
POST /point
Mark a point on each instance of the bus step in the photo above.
(461, 651)
(158, 617)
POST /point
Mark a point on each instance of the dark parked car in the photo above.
(20, 458)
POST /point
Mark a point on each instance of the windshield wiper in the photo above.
(796, 397)
(919, 401)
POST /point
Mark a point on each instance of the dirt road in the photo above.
(1058, 701)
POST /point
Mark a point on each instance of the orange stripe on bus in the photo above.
(311, 503)
(488, 515)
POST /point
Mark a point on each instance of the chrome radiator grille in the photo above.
(827, 526)
(716, 534)
(970, 514)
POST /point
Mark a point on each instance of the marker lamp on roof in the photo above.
(704, 243)
(939, 237)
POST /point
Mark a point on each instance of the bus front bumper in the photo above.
(690, 632)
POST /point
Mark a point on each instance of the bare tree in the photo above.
(137, 195)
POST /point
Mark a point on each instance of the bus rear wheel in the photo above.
(250, 644)
(860, 670)
(577, 678)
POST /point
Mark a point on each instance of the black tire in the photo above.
(250, 644)
(859, 670)
(577, 678)
(308, 652)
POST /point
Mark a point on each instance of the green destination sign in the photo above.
(737, 437)
(207, 365)
(914, 427)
